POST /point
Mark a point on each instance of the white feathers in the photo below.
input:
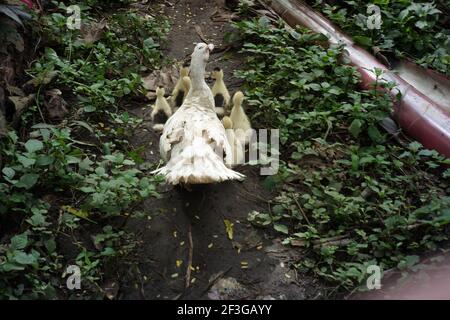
(241, 123)
(194, 142)
(161, 110)
(220, 92)
(237, 149)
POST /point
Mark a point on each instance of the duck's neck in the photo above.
(198, 74)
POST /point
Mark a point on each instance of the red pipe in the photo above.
(418, 115)
(29, 3)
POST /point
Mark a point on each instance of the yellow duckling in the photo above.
(161, 110)
(241, 123)
(220, 92)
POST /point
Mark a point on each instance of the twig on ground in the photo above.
(200, 34)
(301, 210)
(216, 278)
(190, 255)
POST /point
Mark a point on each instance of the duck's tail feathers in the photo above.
(197, 164)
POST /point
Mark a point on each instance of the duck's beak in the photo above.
(210, 47)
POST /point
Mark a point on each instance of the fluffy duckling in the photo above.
(186, 85)
(179, 93)
(237, 149)
(241, 123)
(161, 110)
(186, 81)
(220, 92)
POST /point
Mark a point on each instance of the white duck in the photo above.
(194, 143)
(238, 150)
(179, 92)
(161, 110)
(241, 123)
(220, 92)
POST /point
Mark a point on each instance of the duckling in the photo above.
(178, 93)
(186, 87)
(241, 123)
(161, 110)
(238, 151)
(220, 92)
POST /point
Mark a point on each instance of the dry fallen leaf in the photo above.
(223, 16)
(55, 104)
(228, 228)
(166, 77)
(41, 80)
(21, 103)
(93, 31)
(15, 90)
(79, 213)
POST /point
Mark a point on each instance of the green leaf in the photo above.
(355, 127)
(363, 41)
(281, 228)
(100, 171)
(8, 172)
(408, 262)
(19, 241)
(85, 164)
(24, 258)
(33, 145)
(11, 267)
(44, 160)
(414, 146)
(108, 251)
(50, 244)
(27, 181)
(25, 161)
(421, 24)
(36, 220)
(89, 108)
(375, 134)
(149, 43)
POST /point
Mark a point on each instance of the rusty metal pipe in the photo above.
(418, 115)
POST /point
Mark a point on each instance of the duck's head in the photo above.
(202, 51)
(238, 98)
(217, 73)
(184, 70)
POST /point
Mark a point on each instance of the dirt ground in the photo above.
(254, 264)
